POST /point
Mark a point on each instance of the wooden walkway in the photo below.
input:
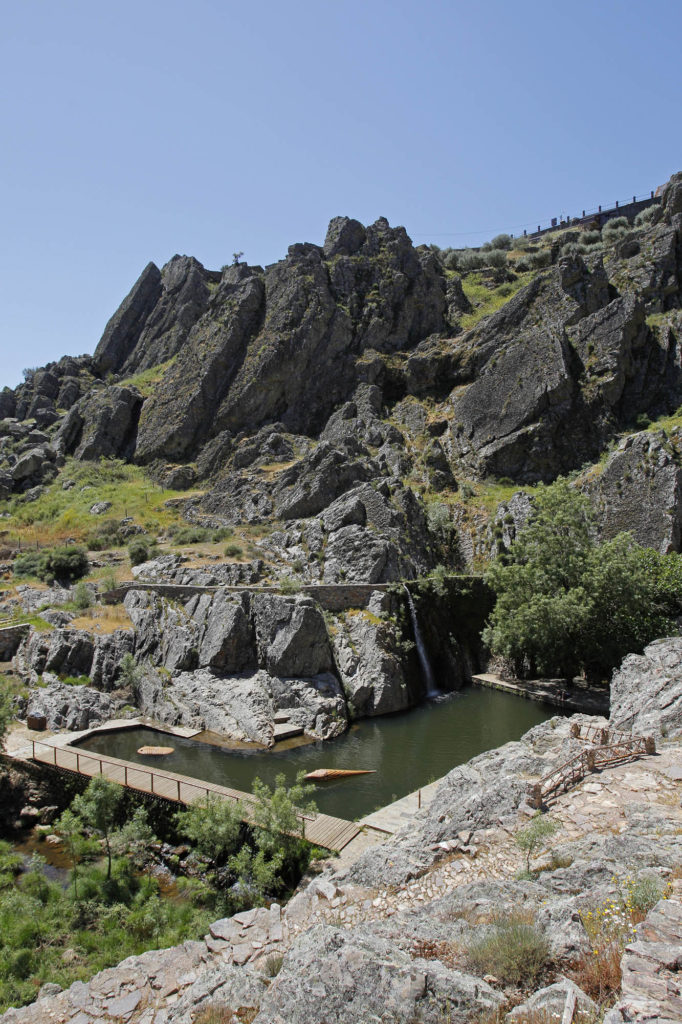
(321, 829)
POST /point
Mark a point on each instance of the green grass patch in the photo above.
(147, 381)
(60, 514)
(487, 300)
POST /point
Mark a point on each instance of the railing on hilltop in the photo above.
(612, 748)
(605, 210)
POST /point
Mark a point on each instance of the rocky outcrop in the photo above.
(71, 707)
(646, 691)
(371, 664)
(362, 975)
(71, 652)
(291, 636)
(245, 707)
(153, 321)
(312, 314)
(103, 423)
(549, 387)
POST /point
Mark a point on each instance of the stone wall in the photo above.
(333, 597)
(10, 638)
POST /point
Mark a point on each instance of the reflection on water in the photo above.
(406, 750)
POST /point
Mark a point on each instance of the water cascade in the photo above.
(431, 688)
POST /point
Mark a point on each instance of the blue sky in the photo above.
(135, 130)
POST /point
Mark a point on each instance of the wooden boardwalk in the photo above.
(321, 829)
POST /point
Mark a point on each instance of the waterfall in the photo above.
(431, 688)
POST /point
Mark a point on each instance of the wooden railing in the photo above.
(166, 785)
(613, 748)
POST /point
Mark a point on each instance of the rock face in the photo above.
(363, 975)
(103, 423)
(312, 314)
(245, 707)
(646, 691)
(152, 323)
(640, 490)
(236, 663)
(555, 388)
(70, 652)
(71, 707)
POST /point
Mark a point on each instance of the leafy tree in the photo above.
(213, 825)
(565, 603)
(70, 827)
(98, 808)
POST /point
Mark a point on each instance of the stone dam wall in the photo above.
(333, 597)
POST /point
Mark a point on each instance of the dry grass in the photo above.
(103, 619)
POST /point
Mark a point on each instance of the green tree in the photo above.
(98, 808)
(565, 603)
(70, 827)
(213, 825)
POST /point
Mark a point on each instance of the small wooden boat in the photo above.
(338, 773)
(155, 751)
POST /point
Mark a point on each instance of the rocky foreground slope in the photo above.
(385, 936)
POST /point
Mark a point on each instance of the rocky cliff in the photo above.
(357, 413)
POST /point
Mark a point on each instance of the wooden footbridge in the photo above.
(605, 748)
(321, 829)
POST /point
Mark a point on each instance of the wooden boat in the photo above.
(338, 773)
(155, 751)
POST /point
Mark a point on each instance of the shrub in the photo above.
(287, 585)
(532, 836)
(129, 671)
(573, 249)
(590, 237)
(513, 951)
(30, 564)
(615, 229)
(541, 259)
(502, 242)
(651, 215)
(65, 564)
(141, 549)
(470, 261)
(199, 534)
(496, 258)
(82, 596)
(233, 550)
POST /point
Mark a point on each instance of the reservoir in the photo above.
(406, 750)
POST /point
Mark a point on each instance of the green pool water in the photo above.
(406, 750)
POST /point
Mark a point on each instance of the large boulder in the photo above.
(244, 707)
(227, 644)
(291, 635)
(103, 423)
(371, 665)
(646, 691)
